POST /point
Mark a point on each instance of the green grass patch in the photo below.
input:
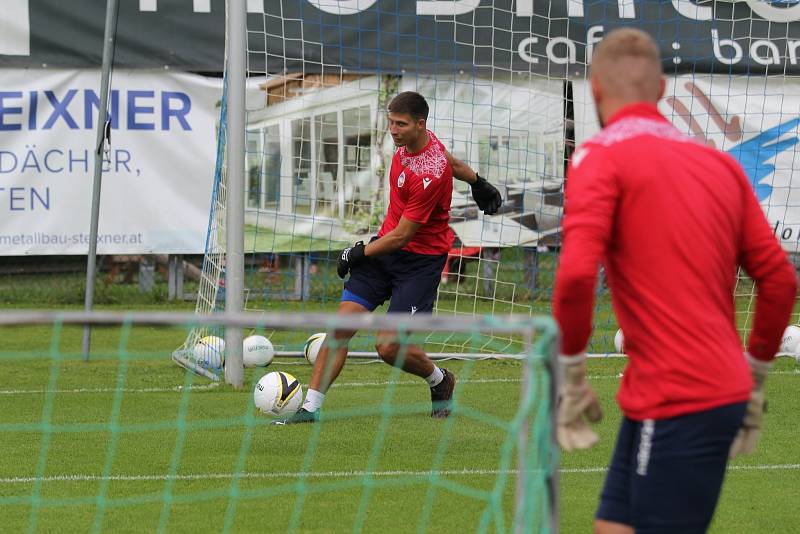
(169, 445)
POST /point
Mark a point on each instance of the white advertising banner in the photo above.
(158, 171)
(755, 119)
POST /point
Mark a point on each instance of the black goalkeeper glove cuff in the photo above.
(349, 258)
(486, 196)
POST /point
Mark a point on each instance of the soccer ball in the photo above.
(258, 351)
(312, 346)
(278, 394)
(210, 352)
(619, 341)
(791, 340)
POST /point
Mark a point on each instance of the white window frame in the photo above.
(284, 114)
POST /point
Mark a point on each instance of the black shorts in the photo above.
(665, 475)
(410, 280)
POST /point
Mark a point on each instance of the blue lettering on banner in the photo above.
(60, 109)
(84, 160)
(41, 238)
(15, 199)
(25, 198)
(31, 161)
(45, 202)
(134, 109)
(47, 166)
(34, 106)
(122, 158)
(79, 109)
(56, 160)
(180, 114)
(91, 106)
(8, 161)
(9, 110)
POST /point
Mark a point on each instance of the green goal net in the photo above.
(508, 92)
(131, 443)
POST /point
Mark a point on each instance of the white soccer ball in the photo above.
(278, 394)
(791, 340)
(258, 351)
(210, 352)
(312, 346)
(619, 341)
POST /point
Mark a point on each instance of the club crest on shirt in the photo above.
(401, 179)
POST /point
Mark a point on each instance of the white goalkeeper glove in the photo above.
(745, 440)
(576, 401)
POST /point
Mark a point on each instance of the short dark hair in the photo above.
(411, 103)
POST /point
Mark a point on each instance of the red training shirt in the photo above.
(671, 219)
(421, 190)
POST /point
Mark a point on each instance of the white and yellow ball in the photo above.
(257, 352)
(278, 394)
(312, 346)
(210, 352)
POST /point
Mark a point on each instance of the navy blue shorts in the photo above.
(665, 475)
(410, 280)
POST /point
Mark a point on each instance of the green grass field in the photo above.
(123, 449)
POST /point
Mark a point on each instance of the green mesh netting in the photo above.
(129, 442)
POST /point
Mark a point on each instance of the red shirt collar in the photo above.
(639, 109)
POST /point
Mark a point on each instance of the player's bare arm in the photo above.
(394, 240)
(486, 196)
(461, 171)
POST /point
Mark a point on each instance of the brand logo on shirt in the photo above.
(425, 183)
(413, 310)
(401, 179)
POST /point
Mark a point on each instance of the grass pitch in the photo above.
(135, 444)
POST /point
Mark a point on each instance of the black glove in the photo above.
(486, 196)
(349, 258)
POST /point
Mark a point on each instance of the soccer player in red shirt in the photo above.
(404, 262)
(671, 220)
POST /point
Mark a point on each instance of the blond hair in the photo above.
(627, 64)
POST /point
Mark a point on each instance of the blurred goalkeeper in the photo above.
(404, 263)
(671, 220)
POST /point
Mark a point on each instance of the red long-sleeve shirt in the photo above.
(671, 219)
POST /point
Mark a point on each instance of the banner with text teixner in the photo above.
(157, 175)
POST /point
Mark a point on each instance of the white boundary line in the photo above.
(336, 474)
(105, 390)
(364, 384)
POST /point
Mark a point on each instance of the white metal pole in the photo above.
(236, 65)
(103, 133)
